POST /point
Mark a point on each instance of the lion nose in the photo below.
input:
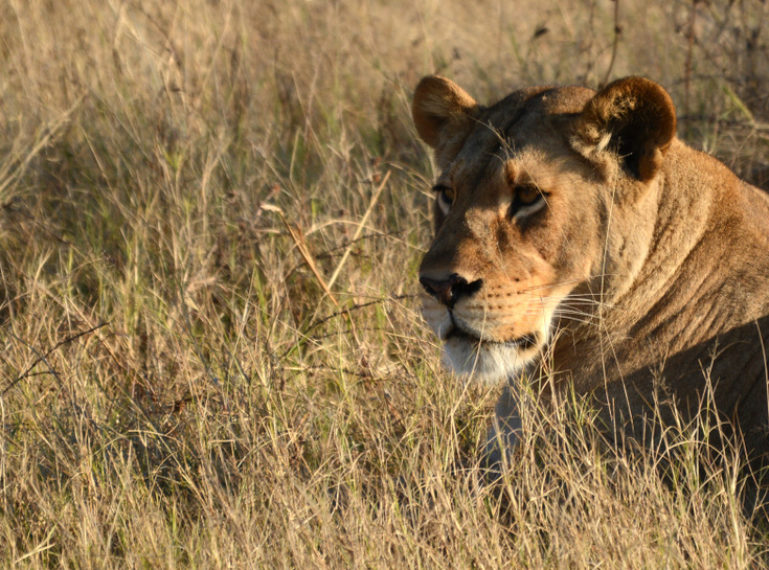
(449, 291)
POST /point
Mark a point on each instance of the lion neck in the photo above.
(674, 298)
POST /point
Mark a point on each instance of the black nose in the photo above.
(449, 291)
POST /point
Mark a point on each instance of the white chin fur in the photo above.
(489, 363)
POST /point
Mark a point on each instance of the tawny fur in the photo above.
(643, 276)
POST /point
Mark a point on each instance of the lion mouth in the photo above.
(523, 342)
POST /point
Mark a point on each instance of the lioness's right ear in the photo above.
(439, 105)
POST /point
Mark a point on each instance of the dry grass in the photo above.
(179, 182)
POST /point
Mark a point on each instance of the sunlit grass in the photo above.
(211, 219)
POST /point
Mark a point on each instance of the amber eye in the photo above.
(527, 199)
(445, 196)
(527, 195)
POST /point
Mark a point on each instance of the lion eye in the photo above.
(527, 195)
(527, 199)
(445, 197)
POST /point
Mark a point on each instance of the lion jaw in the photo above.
(472, 354)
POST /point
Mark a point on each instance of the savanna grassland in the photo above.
(211, 217)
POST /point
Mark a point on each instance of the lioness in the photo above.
(579, 240)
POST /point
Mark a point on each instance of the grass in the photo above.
(182, 383)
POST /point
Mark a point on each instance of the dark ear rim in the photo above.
(634, 117)
(437, 103)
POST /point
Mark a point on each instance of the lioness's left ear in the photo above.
(634, 118)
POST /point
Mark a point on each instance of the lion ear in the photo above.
(632, 118)
(440, 105)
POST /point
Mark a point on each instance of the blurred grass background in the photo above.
(211, 216)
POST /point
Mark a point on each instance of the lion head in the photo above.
(524, 198)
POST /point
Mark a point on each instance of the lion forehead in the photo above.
(541, 117)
